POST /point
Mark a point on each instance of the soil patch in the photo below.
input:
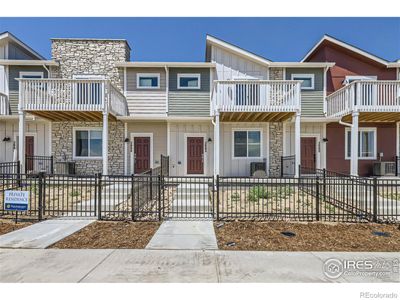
(9, 225)
(274, 236)
(110, 235)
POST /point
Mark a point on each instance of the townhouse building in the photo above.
(230, 115)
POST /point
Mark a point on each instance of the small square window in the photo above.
(189, 81)
(88, 143)
(148, 81)
(307, 80)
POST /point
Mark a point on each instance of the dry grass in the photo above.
(8, 225)
(309, 236)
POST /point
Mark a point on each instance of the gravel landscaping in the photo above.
(315, 236)
(110, 235)
(8, 225)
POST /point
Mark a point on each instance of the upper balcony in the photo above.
(377, 100)
(71, 99)
(4, 105)
(256, 100)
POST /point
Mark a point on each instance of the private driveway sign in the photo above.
(16, 200)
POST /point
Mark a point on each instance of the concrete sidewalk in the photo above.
(43, 234)
(54, 265)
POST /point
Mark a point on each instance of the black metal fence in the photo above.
(397, 162)
(10, 168)
(39, 163)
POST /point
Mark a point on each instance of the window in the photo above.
(366, 143)
(31, 75)
(88, 143)
(350, 79)
(189, 81)
(247, 143)
(308, 80)
(148, 81)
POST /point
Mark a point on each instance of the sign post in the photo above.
(16, 201)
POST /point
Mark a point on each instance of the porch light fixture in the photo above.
(209, 140)
(6, 139)
(325, 140)
(126, 140)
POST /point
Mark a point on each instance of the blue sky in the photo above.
(183, 39)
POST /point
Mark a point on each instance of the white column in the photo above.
(354, 145)
(105, 143)
(125, 149)
(297, 143)
(216, 145)
(21, 139)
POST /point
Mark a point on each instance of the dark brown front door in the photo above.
(142, 154)
(29, 146)
(308, 154)
(195, 155)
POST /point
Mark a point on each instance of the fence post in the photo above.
(396, 171)
(99, 184)
(40, 196)
(159, 198)
(151, 184)
(317, 200)
(19, 174)
(133, 196)
(217, 197)
(324, 183)
(375, 200)
(51, 164)
(281, 166)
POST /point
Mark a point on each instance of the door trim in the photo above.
(205, 153)
(133, 135)
(34, 135)
(317, 147)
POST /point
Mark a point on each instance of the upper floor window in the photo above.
(31, 75)
(148, 81)
(189, 81)
(308, 80)
(351, 78)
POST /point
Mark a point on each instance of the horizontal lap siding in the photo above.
(189, 103)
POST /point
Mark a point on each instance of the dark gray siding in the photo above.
(204, 78)
(131, 78)
(17, 52)
(13, 84)
(312, 101)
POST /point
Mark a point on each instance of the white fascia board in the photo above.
(347, 46)
(27, 62)
(165, 64)
(302, 64)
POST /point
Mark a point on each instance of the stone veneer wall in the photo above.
(275, 134)
(62, 143)
(90, 56)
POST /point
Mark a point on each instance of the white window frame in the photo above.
(185, 75)
(359, 77)
(311, 76)
(138, 75)
(247, 144)
(361, 129)
(75, 129)
(31, 73)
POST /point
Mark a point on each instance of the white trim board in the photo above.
(132, 139)
(74, 129)
(138, 75)
(360, 129)
(247, 130)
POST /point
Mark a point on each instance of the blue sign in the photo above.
(16, 200)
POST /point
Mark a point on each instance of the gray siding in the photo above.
(312, 101)
(204, 78)
(131, 78)
(189, 104)
(17, 52)
(13, 84)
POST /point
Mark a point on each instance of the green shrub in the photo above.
(235, 197)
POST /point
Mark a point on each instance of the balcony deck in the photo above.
(375, 101)
(71, 99)
(256, 100)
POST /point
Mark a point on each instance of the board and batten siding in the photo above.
(183, 102)
(312, 101)
(13, 84)
(230, 166)
(146, 101)
(9, 129)
(231, 66)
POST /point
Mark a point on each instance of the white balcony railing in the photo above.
(256, 95)
(4, 105)
(364, 96)
(71, 95)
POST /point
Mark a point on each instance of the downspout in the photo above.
(345, 124)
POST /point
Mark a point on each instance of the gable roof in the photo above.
(236, 49)
(10, 36)
(347, 46)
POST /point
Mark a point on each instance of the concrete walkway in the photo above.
(182, 235)
(55, 265)
(43, 234)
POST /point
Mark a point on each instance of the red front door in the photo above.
(195, 155)
(142, 154)
(308, 155)
(29, 146)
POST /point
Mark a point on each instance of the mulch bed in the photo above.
(8, 225)
(110, 235)
(314, 236)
